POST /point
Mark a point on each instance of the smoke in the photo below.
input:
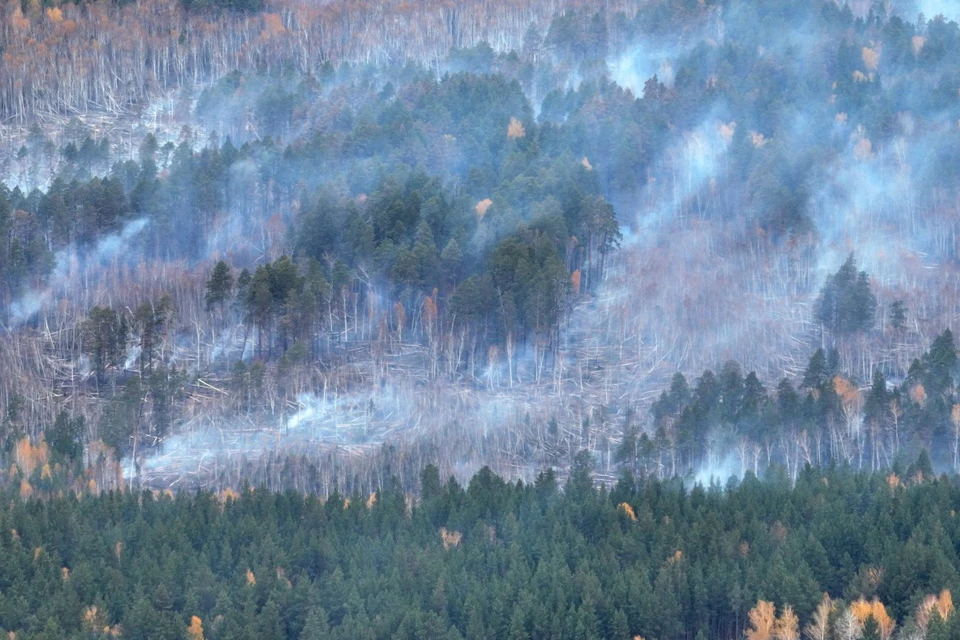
(78, 268)
(719, 468)
(354, 422)
(932, 8)
(133, 354)
(689, 166)
(641, 62)
(358, 417)
(698, 281)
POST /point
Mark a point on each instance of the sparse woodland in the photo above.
(327, 270)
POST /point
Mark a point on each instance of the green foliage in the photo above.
(122, 416)
(240, 6)
(150, 321)
(66, 436)
(898, 315)
(104, 339)
(846, 303)
(528, 560)
(730, 410)
(219, 286)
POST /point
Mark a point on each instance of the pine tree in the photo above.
(816, 374)
(876, 405)
(317, 626)
(219, 286)
(898, 315)
(66, 436)
(846, 304)
(626, 453)
(430, 486)
(104, 339)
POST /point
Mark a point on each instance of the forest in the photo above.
(479, 319)
(834, 554)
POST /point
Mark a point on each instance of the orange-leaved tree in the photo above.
(765, 625)
(763, 618)
(195, 630)
(862, 610)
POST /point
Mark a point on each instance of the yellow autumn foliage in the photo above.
(627, 509)
(450, 538)
(429, 312)
(195, 630)
(884, 621)
(251, 579)
(918, 394)
(762, 620)
(399, 316)
(272, 24)
(917, 43)
(861, 609)
(30, 457)
(870, 57)
(93, 619)
(765, 625)
(787, 626)
(726, 130)
(846, 391)
(941, 605)
(945, 604)
(819, 625)
(863, 150)
(515, 129)
(482, 206)
(20, 23)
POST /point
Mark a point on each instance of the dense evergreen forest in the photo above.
(837, 554)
